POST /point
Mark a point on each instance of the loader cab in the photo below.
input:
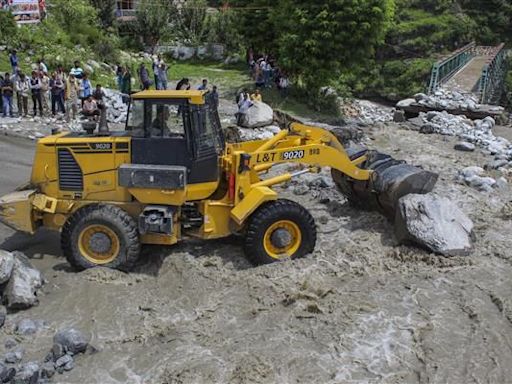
(176, 128)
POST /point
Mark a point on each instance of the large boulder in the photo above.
(435, 223)
(21, 291)
(259, 115)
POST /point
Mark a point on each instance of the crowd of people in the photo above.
(266, 73)
(58, 92)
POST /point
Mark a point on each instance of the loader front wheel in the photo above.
(279, 230)
(101, 235)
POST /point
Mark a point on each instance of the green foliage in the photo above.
(106, 11)
(191, 22)
(224, 28)
(493, 19)
(152, 21)
(8, 29)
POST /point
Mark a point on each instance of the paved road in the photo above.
(16, 157)
(466, 80)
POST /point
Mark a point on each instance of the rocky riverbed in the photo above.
(361, 308)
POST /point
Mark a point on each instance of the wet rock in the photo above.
(496, 164)
(58, 350)
(429, 128)
(48, 370)
(63, 361)
(10, 343)
(420, 96)
(300, 189)
(13, 357)
(6, 265)
(464, 146)
(23, 284)
(259, 115)
(28, 374)
(26, 327)
(501, 183)
(72, 339)
(435, 223)
(6, 375)
(399, 116)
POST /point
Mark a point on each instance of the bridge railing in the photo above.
(445, 68)
(491, 83)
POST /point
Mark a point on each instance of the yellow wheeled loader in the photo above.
(170, 174)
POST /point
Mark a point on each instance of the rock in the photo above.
(472, 171)
(26, 327)
(48, 370)
(405, 103)
(399, 116)
(28, 374)
(428, 128)
(58, 350)
(13, 357)
(23, 284)
(420, 96)
(3, 315)
(502, 183)
(259, 115)
(300, 189)
(88, 69)
(7, 375)
(72, 339)
(320, 182)
(496, 164)
(435, 223)
(6, 265)
(464, 146)
(484, 184)
(62, 361)
(10, 343)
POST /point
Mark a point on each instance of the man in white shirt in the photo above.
(22, 87)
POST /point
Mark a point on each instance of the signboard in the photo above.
(25, 11)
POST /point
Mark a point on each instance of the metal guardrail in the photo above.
(445, 68)
(491, 83)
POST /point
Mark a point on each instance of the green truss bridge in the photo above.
(472, 69)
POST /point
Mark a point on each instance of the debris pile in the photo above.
(117, 110)
(366, 112)
(67, 343)
(478, 132)
(450, 101)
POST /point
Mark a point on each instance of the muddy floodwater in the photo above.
(359, 309)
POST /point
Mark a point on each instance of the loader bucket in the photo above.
(16, 210)
(391, 180)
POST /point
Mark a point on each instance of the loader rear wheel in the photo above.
(100, 235)
(279, 230)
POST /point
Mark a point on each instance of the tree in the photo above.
(8, 28)
(106, 11)
(320, 40)
(191, 21)
(153, 21)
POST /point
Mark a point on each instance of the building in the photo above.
(125, 9)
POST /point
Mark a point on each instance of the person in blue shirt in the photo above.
(203, 86)
(13, 58)
(85, 88)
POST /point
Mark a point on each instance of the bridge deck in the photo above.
(467, 78)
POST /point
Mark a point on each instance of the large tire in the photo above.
(101, 235)
(279, 230)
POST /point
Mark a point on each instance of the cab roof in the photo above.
(193, 96)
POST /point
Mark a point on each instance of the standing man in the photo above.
(162, 76)
(215, 97)
(7, 92)
(13, 59)
(145, 83)
(85, 88)
(45, 88)
(72, 90)
(57, 90)
(22, 91)
(41, 66)
(203, 86)
(35, 87)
